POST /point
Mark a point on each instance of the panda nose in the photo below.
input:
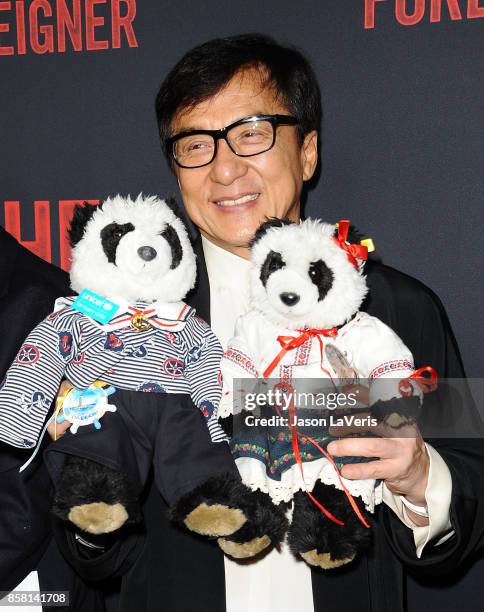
(147, 253)
(289, 299)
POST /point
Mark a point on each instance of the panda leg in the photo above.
(320, 541)
(245, 522)
(266, 526)
(96, 498)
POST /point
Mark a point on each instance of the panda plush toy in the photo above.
(307, 286)
(137, 355)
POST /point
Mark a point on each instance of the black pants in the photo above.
(165, 430)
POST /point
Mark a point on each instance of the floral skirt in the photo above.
(263, 449)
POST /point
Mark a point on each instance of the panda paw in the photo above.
(266, 526)
(94, 497)
(318, 540)
(244, 521)
(397, 412)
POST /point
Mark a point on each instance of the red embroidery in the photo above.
(241, 360)
(285, 374)
(391, 366)
(302, 352)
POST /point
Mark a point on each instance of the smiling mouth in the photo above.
(237, 201)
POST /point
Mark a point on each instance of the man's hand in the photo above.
(57, 430)
(403, 462)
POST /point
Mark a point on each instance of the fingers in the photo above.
(383, 469)
(381, 429)
(403, 462)
(57, 430)
(362, 447)
(64, 386)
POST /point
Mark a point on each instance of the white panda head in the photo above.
(133, 249)
(301, 277)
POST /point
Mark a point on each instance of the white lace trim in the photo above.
(253, 473)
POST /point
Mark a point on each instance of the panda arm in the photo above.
(238, 362)
(37, 369)
(203, 375)
(378, 355)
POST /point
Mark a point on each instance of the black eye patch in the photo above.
(171, 236)
(321, 276)
(110, 237)
(272, 263)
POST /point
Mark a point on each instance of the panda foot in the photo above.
(266, 526)
(224, 507)
(98, 517)
(244, 550)
(94, 497)
(319, 541)
(215, 520)
(324, 560)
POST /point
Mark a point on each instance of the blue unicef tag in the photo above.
(95, 306)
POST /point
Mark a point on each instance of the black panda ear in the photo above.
(272, 222)
(171, 236)
(173, 205)
(80, 218)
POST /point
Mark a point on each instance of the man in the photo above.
(28, 289)
(207, 108)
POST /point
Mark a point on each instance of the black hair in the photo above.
(206, 69)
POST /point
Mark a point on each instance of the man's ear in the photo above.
(309, 154)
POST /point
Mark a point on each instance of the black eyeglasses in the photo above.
(246, 137)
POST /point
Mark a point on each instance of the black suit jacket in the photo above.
(28, 289)
(175, 571)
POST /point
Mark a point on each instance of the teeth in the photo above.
(242, 200)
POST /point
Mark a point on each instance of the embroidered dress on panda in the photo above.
(374, 352)
(178, 353)
(306, 289)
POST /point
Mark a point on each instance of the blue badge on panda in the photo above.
(95, 306)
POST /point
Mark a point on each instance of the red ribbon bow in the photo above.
(353, 251)
(291, 342)
(426, 383)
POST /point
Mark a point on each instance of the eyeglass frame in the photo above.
(221, 134)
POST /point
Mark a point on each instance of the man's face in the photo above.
(232, 196)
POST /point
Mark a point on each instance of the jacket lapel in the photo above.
(199, 297)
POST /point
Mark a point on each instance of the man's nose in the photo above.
(227, 166)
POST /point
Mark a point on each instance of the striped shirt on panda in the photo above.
(177, 354)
